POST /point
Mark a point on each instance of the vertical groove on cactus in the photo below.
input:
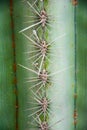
(75, 89)
(14, 62)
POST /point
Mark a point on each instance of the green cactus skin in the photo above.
(81, 65)
(7, 95)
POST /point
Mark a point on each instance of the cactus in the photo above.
(41, 65)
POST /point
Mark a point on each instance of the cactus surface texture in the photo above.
(43, 65)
